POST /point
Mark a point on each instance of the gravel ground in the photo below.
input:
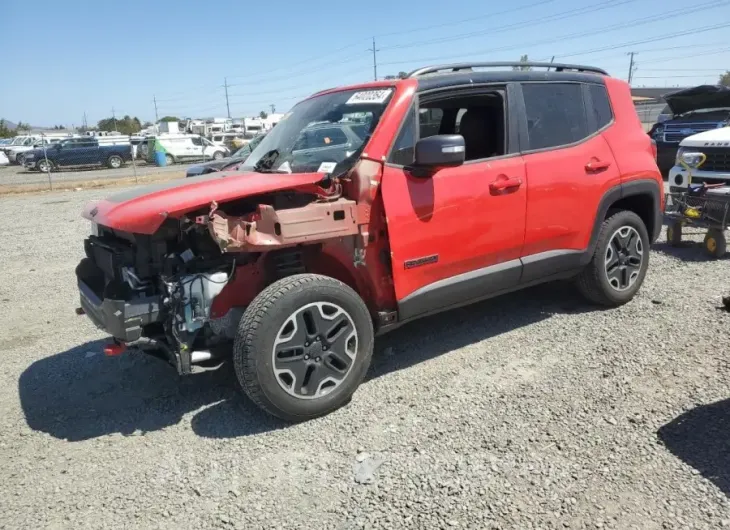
(528, 411)
(14, 175)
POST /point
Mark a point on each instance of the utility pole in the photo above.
(375, 60)
(225, 85)
(85, 126)
(273, 108)
(154, 100)
(114, 117)
(631, 66)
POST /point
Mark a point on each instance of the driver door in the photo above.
(455, 235)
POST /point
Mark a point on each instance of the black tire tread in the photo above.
(721, 241)
(109, 161)
(588, 281)
(253, 317)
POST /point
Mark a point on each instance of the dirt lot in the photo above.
(529, 411)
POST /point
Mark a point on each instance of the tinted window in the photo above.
(601, 105)
(556, 114)
(196, 141)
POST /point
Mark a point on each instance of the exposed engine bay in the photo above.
(179, 293)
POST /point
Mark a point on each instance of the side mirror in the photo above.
(441, 150)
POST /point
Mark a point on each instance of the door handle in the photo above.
(505, 183)
(597, 165)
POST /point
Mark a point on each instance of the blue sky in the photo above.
(66, 58)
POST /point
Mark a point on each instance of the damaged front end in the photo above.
(179, 293)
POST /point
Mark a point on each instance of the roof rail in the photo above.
(558, 67)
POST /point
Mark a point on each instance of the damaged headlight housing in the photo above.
(690, 157)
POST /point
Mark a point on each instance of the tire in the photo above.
(286, 305)
(41, 165)
(115, 162)
(674, 233)
(715, 243)
(169, 160)
(20, 159)
(609, 289)
(218, 155)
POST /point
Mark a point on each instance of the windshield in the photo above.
(323, 134)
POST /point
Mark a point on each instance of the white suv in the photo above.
(707, 155)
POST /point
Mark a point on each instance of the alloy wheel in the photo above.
(624, 258)
(314, 350)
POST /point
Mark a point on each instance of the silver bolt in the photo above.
(306, 344)
(306, 357)
(317, 339)
(318, 359)
(324, 348)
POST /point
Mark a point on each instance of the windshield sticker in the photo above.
(369, 96)
(327, 167)
(285, 167)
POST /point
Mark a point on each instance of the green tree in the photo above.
(147, 124)
(4, 131)
(22, 126)
(523, 59)
(263, 115)
(125, 125)
(725, 79)
(170, 118)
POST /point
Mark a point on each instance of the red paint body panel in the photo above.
(455, 215)
(563, 196)
(631, 146)
(145, 210)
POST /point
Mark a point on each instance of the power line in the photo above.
(621, 26)
(470, 19)
(600, 6)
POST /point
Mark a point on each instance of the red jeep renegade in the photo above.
(370, 206)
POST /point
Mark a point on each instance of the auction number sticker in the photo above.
(369, 96)
(327, 167)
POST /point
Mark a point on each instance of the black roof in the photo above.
(430, 82)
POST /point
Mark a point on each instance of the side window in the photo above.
(429, 122)
(196, 141)
(402, 153)
(601, 105)
(556, 114)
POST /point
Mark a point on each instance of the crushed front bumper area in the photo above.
(122, 319)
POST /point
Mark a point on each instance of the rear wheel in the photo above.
(303, 347)
(619, 262)
(115, 162)
(715, 243)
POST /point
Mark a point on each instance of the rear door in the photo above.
(455, 236)
(569, 168)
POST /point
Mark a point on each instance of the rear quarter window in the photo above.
(556, 114)
(601, 106)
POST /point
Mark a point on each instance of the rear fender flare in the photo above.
(646, 187)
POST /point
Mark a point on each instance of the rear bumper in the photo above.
(122, 319)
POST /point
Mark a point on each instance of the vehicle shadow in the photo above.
(80, 394)
(701, 438)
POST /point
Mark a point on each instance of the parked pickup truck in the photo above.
(78, 152)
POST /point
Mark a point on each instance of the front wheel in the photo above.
(44, 165)
(619, 263)
(169, 160)
(303, 347)
(20, 159)
(217, 155)
(115, 162)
